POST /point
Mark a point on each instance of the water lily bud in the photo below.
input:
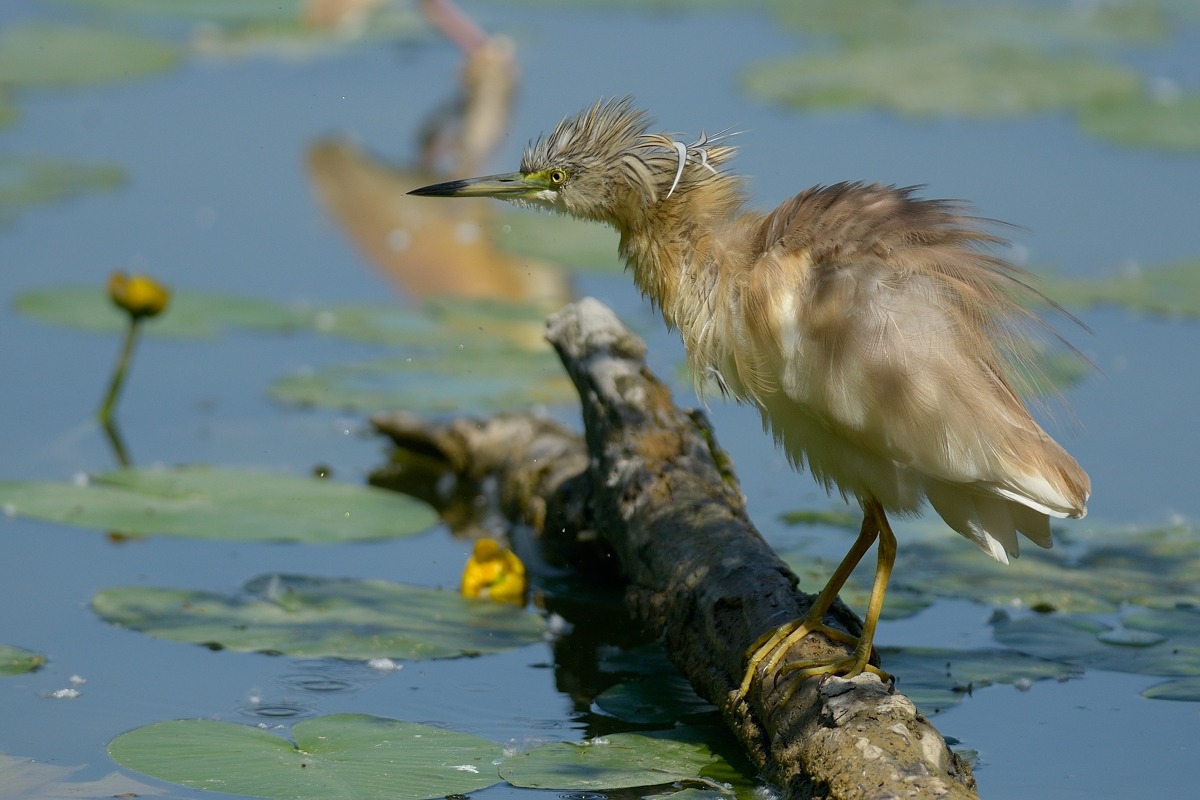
(139, 295)
(493, 571)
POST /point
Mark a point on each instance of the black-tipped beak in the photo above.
(511, 185)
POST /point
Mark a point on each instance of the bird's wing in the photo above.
(896, 335)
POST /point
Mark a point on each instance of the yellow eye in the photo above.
(557, 177)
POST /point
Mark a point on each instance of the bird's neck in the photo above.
(677, 249)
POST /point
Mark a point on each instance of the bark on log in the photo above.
(657, 488)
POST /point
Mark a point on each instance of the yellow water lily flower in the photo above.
(493, 571)
(139, 295)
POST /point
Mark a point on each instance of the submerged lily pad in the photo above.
(1091, 643)
(193, 315)
(336, 756)
(1172, 290)
(223, 10)
(654, 699)
(1186, 690)
(939, 79)
(27, 181)
(222, 504)
(14, 660)
(937, 679)
(572, 243)
(312, 617)
(480, 376)
(1168, 124)
(924, 21)
(618, 761)
(34, 779)
(37, 54)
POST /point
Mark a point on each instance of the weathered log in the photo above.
(655, 486)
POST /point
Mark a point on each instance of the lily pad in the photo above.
(312, 617)
(219, 10)
(1090, 643)
(1169, 124)
(222, 504)
(480, 375)
(14, 660)
(337, 756)
(34, 779)
(923, 21)
(656, 699)
(937, 679)
(27, 181)
(950, 78)
(573, 243)
(38, 55)
(617, 761)
(1186, 690)
(1172, 290)
(193, 315)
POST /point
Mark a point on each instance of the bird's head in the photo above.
(601, 164)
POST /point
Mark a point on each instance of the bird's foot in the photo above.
(858, 662)
(770, 648)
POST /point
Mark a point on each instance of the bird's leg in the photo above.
(772, 646)
(860, 658)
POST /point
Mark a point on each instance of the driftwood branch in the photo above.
(654, 485)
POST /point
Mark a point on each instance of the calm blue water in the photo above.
(217, 199)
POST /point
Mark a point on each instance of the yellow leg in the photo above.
(771, 648)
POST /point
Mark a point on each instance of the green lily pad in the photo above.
(191, 315)
(655, 699)
(222, 504)
(618, 761)
(575, 244)
(217, 10)
(27, 181)
(34, 779)
(1170, 124)
(479, 376)
(1185, 690)
(923, 21)
(1172, 290)
(38, 55)
(14, 660)
(337, 756)
(1090, 643)
(311, 617)
(950, 78)
(937, 679)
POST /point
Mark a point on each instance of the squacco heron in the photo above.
(876, 333)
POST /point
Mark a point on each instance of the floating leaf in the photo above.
(27, 181)
(920, 22)
(14, 660)
(936, 679)
(850, 520)
(939, 79)
(34, 779)
(194, 315)
(337, 756)
(482, 374)
(310, 617)
(1171, 291)
(222, 504)
(1140, 121)
(222, 10)
(571, 243)
(1186, 690)
(1082, 641)
(656, 699)
(36, 54)
(618, 761)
